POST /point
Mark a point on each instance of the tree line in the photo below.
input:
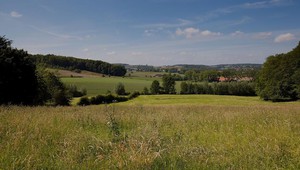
(222, 88)
(71, 63)
(214, 75)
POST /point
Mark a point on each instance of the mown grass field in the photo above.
(153, 132)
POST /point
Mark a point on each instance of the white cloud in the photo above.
(85, 50)
(195, 32)
(62, 36)
(15, 14)
(265, 4)
(111, 53)
(262, 35)
(160, 26)
(237, 33)
(209, 33)
(188, 32)
(284, 37)
(149, 32)
(136, 53)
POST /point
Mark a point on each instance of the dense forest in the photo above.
(71, 63)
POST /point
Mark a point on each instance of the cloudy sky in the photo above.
(154, 32)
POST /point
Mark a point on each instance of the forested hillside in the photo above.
(71, 63)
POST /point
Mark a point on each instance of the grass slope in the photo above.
(153, 132)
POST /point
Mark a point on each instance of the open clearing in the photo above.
(154, 132)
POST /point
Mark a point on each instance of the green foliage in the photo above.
(84, 101)
(168, 84)
(103, 99)
(145, 91)
(134, 95)
(279, 78)
(74, 92)
(57, 90)
(77, 64)
(120, 89)
(222, 88)
(18, 81)
(214, 75)
(155, 87)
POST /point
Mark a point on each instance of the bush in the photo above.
(84, 101)
(134, 95)
(100, 99)
(74, 92)
(120, 89)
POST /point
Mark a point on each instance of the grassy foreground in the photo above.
(153, 132)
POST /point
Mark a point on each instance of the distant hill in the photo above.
(72, 63)
(236, 66)
(181, 68)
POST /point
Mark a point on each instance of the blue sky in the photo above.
(154, 32)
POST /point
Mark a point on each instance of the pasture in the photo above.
(96, 84)
(101, 85)
(153, 132)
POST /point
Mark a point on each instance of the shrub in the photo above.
(134, 95)
(74, 92)
(120, 89)
(84, 101)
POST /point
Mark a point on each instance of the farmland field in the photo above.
(153, 132)
(101, 85)
(95, 84)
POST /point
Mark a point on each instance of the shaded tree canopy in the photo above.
(18, 81)
(22, 83)
(279, 79)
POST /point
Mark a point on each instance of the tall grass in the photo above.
(151, 137)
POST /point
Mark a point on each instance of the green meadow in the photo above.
(101, 85)
(153, 132)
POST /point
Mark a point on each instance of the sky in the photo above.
(154, 32)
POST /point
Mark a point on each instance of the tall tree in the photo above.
(279, 77)
(18, 81)
(169, 84)
(155, 87)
